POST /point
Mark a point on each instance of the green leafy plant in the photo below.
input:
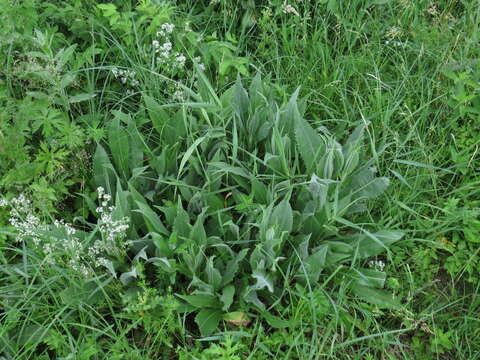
(226, 228)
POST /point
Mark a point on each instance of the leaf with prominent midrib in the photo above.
(207, 320)
(309, 143)
(381, 298)
(282, 216)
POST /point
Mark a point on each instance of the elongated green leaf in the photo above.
(276, 322)
(208, 320)
(188, 154)
(198, 234)
(309, 143)
(157, 113)
(201, 300)
(118, 141)
(290, 115)
(127, 277)
(136, 147)
(232, 267)
(282, 216)
(181, 223)
(381, 298)
(250, 296)
(401, 178)
(368, 277)
(426, 166)
(353, 141)
(225, 168)
(314, 264)
(375, 188)
(369, 246)
(214, 278)
(121, 202)
(153, 222)
(102, 173)
(80, 97)
(263, 280)
(365, 184)
(227, 297)
(240, 102)
(206, 90)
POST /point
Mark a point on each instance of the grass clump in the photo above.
(224, 180)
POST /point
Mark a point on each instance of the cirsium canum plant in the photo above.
(231, 198)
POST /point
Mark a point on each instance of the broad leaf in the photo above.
(309, 143)
(201, 300)
(282, 216)
(381, 298)
(263, 280)
(208, 320)
(227, 297)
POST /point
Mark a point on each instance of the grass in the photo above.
(408, 68)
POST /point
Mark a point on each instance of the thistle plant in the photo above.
(281, 199)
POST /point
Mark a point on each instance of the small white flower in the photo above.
(166, 29)
(167, 46)
(289, 9)
(432, 10)
(378, 264)
(180, 60)
(178, 95)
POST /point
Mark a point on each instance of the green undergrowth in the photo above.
(239, 180)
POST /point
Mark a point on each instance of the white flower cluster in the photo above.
(289, 9)
(173, 62)
(432, 10)
(179, 94)
(197, 60)
(163, 47)
(126, 77)
(165, 29)
(112, 231)
(68, 249)
(163, 50)
(29, 226)
(23, 220)
(58, 241)
(377, 264)
(395, 43)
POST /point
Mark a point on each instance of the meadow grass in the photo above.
(385, 63)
